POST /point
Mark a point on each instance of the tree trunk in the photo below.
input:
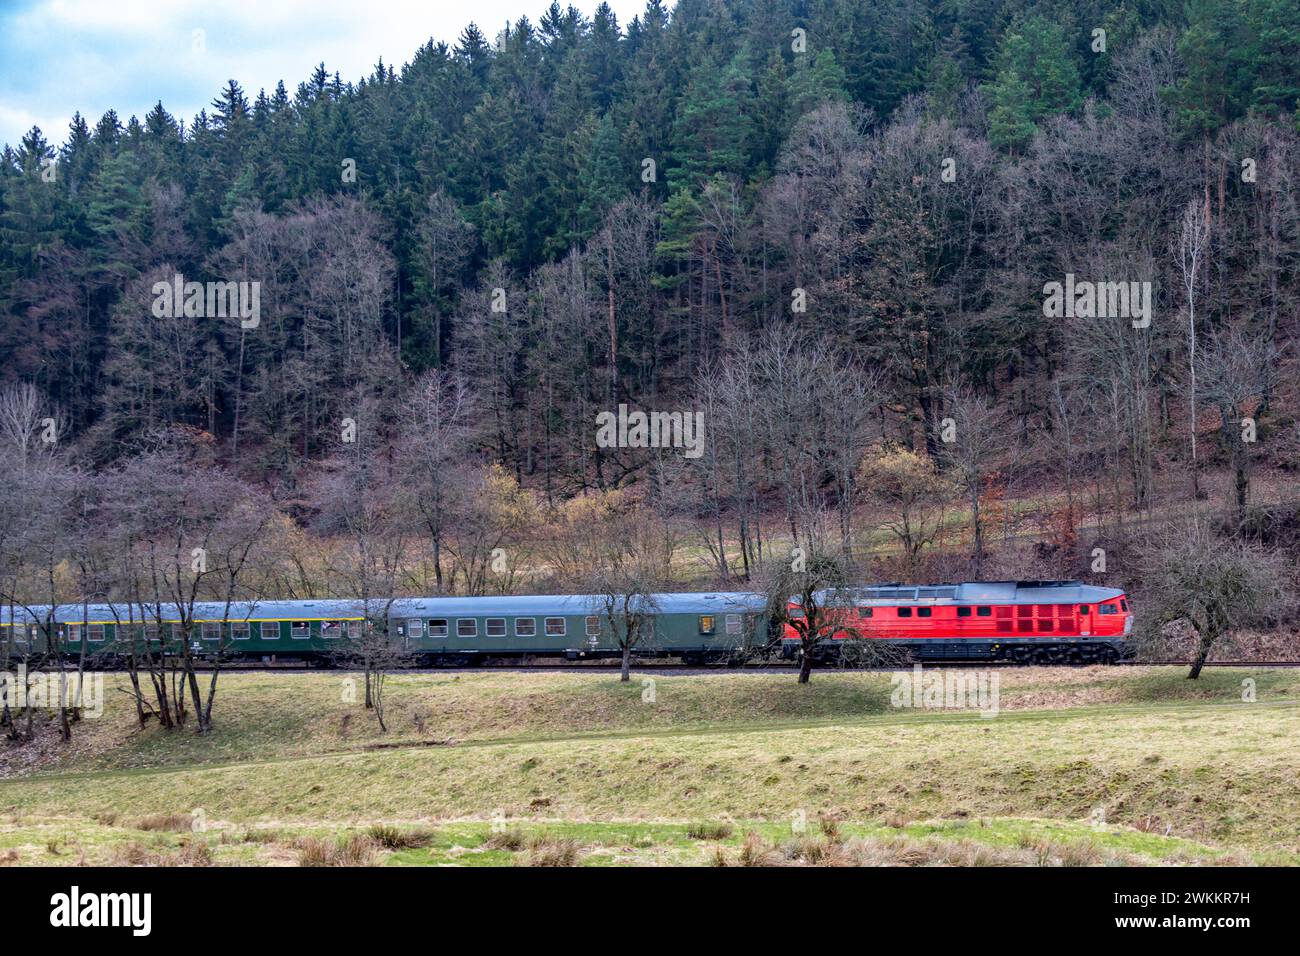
(805, 666)
(1202, 653)
(626, 673)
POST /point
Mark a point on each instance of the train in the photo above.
(1047, 622)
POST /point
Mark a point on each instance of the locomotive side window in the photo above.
(924, 611)
(270, 630)
(864, 612)
(525, 627)
(963, 612)
(984, 611)
(495, 626)
(555, 627)
(466, 627)
(1084, 610)
(707, 624)
(733, 624)
(1107, 609)
(438, 628)
(904, 612)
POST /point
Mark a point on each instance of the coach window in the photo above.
(923, 611)
(525, 627)
(300, 630)
(331, 629)
(984, 612)
(593, 625)
(1107, 609)
(555, 627)
(438, 628)
(414, 629)
(74, 633)
(904, 612)
(707, 624)
(240, 631)
(207, 631)
(495, 627)
(466, 627)
(963, 612)
(270, 630)
(733, 624)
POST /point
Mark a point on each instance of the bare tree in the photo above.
(912, 492)
(1213, 583)
(972, 435)
(434, 446)
(809, 592)
(1193, 247)
(1234, 371)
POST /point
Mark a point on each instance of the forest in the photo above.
(828, 228)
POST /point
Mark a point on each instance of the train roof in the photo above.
(989, 592)
(322, 609)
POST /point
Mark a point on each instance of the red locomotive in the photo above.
(1041, 622)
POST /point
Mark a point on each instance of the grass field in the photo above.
(1079, 766)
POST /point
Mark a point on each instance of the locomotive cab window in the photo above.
(555, 627)
(593, 625)
(1107, 609)
(438, 628)
(466, 627)
(963, 612)
(1123, 605)
(270, 630)
(1084, 609)
(707, 624)
(495, 627)
(984, 611)
(904, 612)
(525, 627)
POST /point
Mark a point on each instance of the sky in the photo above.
(60, 56)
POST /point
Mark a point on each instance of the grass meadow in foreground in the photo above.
(1080, 766)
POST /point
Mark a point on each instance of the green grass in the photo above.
(1178, 770)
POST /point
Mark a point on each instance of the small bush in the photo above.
(710, 831)
(395, 838)
(553, 851)
(355, 849)
(172, 822)
(512, 840)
